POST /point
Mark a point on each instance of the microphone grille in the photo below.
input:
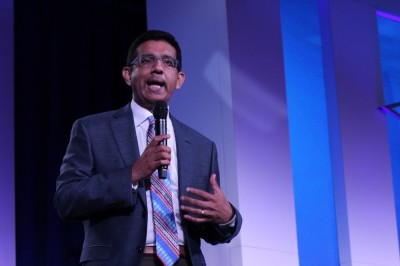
(160, 110)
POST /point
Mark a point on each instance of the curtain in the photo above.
(68, 60)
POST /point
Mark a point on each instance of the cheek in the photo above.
(173, 83)
(137, 80)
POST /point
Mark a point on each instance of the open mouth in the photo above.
(155, 84)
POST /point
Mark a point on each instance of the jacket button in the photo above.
(144, 214)
(139, 249)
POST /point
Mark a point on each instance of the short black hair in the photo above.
(154, 35)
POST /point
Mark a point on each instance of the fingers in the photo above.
(203, 194)
(158, 154)
(198, 209)
(200, 193)
(202, 216)
(197, 203)
(152, 157)
(201, 206)
(157, 139)
(155, 153)
(198, 212)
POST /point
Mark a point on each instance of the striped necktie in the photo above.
(167, 245)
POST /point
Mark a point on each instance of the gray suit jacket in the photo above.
(94, 186)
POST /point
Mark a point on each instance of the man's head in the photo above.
(154, 35)
(153, 68)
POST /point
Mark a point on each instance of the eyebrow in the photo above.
(164, 55)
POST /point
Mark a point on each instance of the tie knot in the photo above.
(152, 121)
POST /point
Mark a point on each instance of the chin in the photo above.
(157, 98)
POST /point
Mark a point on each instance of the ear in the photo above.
(180, 79)
(126, 74)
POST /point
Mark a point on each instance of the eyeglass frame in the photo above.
(136, 61)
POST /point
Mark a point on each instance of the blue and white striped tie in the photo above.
(167, 245)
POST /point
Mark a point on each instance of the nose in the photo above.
(158, 65)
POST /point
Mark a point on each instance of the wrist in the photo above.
(231, 216)
(229, 225)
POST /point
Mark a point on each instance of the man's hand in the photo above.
(153, 156)
(213, 208)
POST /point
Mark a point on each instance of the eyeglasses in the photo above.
(149, 60)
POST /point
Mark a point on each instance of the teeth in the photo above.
(155, 86)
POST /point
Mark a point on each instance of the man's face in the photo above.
(153, 82)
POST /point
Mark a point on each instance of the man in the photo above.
(107, 176)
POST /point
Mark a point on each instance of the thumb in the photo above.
(214, 184)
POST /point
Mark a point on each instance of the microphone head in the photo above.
(160, 110)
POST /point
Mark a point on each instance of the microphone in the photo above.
(160, 112)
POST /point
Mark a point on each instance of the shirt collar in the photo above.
(141, 114)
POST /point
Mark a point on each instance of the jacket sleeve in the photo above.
(83, 189)
(212, 233)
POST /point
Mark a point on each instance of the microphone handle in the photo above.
(161, 129)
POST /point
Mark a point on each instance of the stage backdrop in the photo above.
(290, 91)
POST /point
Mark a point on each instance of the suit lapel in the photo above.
(125, 136)
(183, 146)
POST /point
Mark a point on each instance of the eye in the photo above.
(147, 59)
(168, 61)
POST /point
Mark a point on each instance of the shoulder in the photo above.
(104, 123)
(105, 117)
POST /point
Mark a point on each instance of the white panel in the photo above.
(261, 133)
(205, 101)
(264, 257)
